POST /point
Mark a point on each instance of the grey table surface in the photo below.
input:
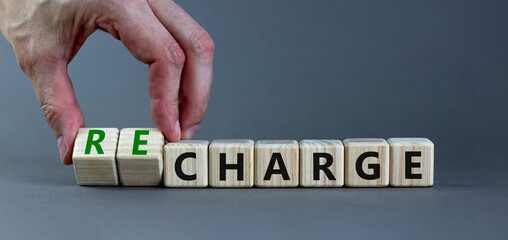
(287, 70)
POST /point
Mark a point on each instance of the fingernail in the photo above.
(62, 148)
(178, 131)
(191, 132)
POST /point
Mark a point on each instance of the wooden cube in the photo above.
(139, 156)
(411, 162)
(366, 162)
(186, 164)
(321, 163)
(231, 163)
(94, 156)
(277, 163)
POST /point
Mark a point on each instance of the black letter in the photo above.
(410, 165)
(372, 166)
(276, 157)
(324, 167)
(178, 166)
(238, 166)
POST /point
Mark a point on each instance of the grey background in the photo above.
(287, 69)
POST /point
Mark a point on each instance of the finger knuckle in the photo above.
(202, 44)
(51, 112)
(176, 55)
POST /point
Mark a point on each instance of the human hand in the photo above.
(47, 34)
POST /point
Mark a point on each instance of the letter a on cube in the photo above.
(277, 163)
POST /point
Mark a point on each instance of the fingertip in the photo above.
(190, 133)
(192, 112)
(67, 160)
(171, 133)
(178, 131)
(65, 148)
(62, 148)
(66, 141)
(166, 118)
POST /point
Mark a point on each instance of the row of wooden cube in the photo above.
(140, 157)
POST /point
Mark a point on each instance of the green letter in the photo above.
(138, 141)
(96, 143)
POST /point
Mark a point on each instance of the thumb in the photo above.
(55, 93)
